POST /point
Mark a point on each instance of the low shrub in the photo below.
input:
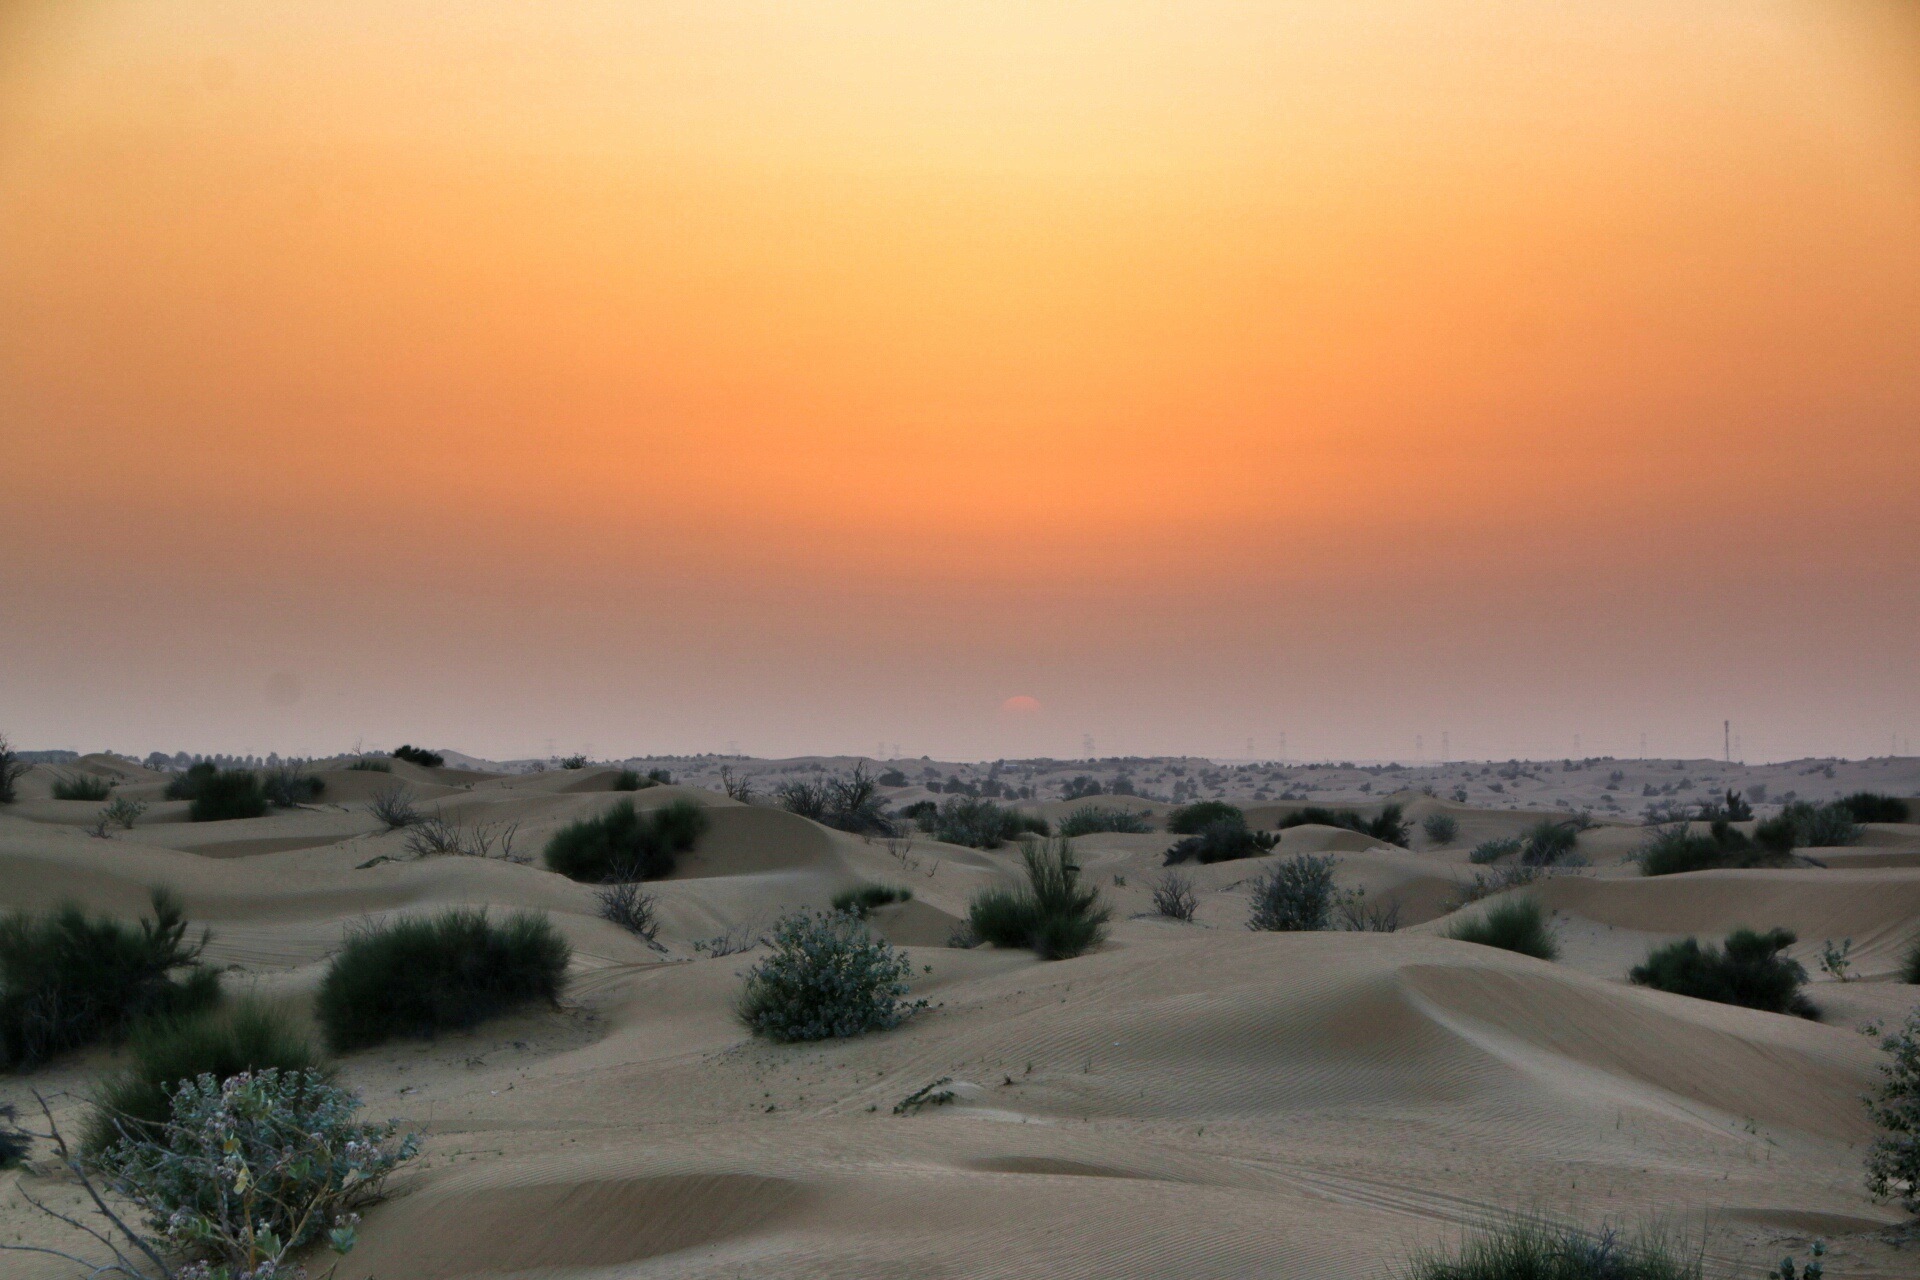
(420, 756)
(287, 787)
(81, 786)
(1222, 841)
(393, 806)
(1777, 836)
(1191, 820)
(1679, 848)
(371, 764)
(12, 769)
(1053, 913)
(67, 981)
(862, 900)
(1441, 828)
(574, 762)
(626, 843)
(1535, 1249)
(1517, 924)
(250, 1169)
(1091, 819)
(185, 786)
(123, 811)
(625, 903)
(1494, 850)
(847, 804)
(1827, 826)
(1548, 841)
(1910, 965)
(244, 1035)
(982, 824)
(1174, 897)
(1390, 826)
(228, 794)
(828, 977)
(1893, 1162)
(1871, 806)
(417, 975)
(1749, 971)
(1295, 895)
(630, 780)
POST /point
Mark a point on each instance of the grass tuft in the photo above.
(1518, 924)
(1053, 913)
(1534, 1249)
(81, 786)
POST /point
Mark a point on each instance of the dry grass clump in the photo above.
(1174, 897)
(1526, 1248)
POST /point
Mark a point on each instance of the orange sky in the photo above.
(649, 377)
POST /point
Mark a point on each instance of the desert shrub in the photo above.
(1517, 924)
(922, 812)
(243, 1035)
(1390, 826)
(81, 786)
(185, 786)
(123, 811)
(982, 824)
(393, 806)
(630, 780)
(1081, 787)
(371, 764)
(417, 975)
(286, 787)
(420, 756)
(893, 778)
(1090, 819)
(12, 769)
(1441, 828)
(1893, 1162)
(249, 1169)
(828, 977)
(807, 799)
(624, 903)
(1222, 841)
(1494, 850)
(1749, 971)
(1870, 806)
(574, 762)
(1053, 913)
(67, 981)
(1548, 841)
(1174, 896)
(1826, 826)
(1190, 820)
(1910, 964)
(1679, 848)
(660, 777)
(1295, 895)
(862, 900)
(228, 794)
(627, 841)
(846, 804)
(1535, 1249)
(1776, 836)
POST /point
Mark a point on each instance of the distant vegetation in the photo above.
(417, 975)
(285, 787)
(226, 794)
(847, 804)
(1679, 848)
(81, 786)
(1295, 895)
(1827, 826)
(1390, 826)
(1870, 806)
(574, 762)
(981, 824)
(1494, 850)
(630, 780)
(1535, 1249)
(828, 977)
(1893, 1162)
(12, 768)
(863, 900)
(1222, 840)
(420, 756)
(67, 980)
(371, 764)
(1191, 820)
(1053, 913)
(1441, 828)
(625, 843)
(1090, 819)
(1750, 971)
(1518, 924)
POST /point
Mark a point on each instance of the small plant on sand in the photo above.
(624, 903)
(1493, 850)
(1870, 806)
(1222, 841)
(863, 900)
(12, 769)
(1837, 961)
(1191, 820)
(1053, 913)
(1525, 1248)
(1295, 895)
(420, 756)
(287, 787)
(371, 764)
(1812, 1269)
(982, 824)
(1174, 897)
(1548, 841)
(247, 1034)
(67, 981)
(1441, 828)
(1517, 924)
(393, 806)
(1090, 819)
(1893, 1162)
(228, 794)
(1749, 971)
(741, 789)
(123, 811)
(417, 975)
(81, 786)
(626, 839)
(828, 977)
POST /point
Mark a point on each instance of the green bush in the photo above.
(227, 794)
(67, 981)
(982, 824)
(371, 764)
(1749, 972)
(1679, 848)
(420, 756)
(1389, 826)
(1534, 1249)
(574, 762)
(1893, 1162)
(1295, 895)
(1518, 924)
(243, 1035)
(625, 843)
(1777, 836)
(12, 768)
(1827, 826)
(1091, 819)
(630, 780)
(1222, 841)
(417, 975)
(1053, 913)
(1191, 820)
(1441, 828)
(828, 977)
(286, 787)
(1870, 806)
(1548, 841)
(185, 786)
(81, 786)
(1494, 850)
(864, 899)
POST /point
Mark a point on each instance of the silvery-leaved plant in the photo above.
(828, 977)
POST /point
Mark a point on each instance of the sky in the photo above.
(1295, 379)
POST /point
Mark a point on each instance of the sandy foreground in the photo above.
(1191, 1100)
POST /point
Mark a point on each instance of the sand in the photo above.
(1191, 1100)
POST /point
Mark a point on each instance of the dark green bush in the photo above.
(1776, 836)
(1295, 895)
(1189, 820)
(244, 1035)
(286, 787)
(1390, 826)
(227, 794)
(1053, 913)
(81, 786)
(1534, 1249)
(846, 804)
(1749, 972)
(1441, 828)
(1679, 848)
(922, 812)
(630, 780)
(1910, 965)
(1518, 924)
(574, 762)
(67, 981)
(1090, 819)
(186, 786)
(1870, 806)
(12, 768)
(1827, 826)
(1222, 841)
(828, 977)
(982, 824)
(864, 899)
(1548, 841)
(625, 843)
(417, 975)
(420, 756)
